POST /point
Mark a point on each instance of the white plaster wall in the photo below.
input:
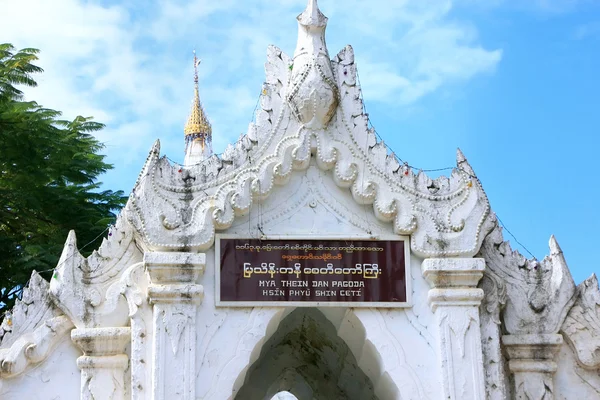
(396, 348)
(56, 378)
(572, 381)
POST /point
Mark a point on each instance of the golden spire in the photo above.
(197, 126)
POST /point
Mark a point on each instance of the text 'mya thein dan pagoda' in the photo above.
(306, 262)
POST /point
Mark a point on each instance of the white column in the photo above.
(104, 362)
(531, 360)
(175, 297)
(454, 298)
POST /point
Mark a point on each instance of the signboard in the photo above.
(310, 273)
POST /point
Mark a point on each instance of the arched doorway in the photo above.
(306, 358)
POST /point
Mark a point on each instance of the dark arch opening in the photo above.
(307, 358)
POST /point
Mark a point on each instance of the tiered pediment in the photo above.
(181, 208)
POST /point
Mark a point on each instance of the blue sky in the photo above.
(513, 83)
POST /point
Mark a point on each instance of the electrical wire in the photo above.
(513, 236)
(371, 127)
(19, 291)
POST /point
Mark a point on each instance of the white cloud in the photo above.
(429, 47)
(129, 64)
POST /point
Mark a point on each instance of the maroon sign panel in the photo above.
(319, 271)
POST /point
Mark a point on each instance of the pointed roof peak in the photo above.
(460, 157)
(197, 122)
(198, 131)
(312, 16)
(462, 163)
(311, 32)
(554, 246)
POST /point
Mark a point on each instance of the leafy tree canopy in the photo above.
(48, 179)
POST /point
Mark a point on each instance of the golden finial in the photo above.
(197, 124)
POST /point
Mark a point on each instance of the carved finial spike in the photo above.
(36, 288)
(312, 16)
(462, 163)
(312, 7)
(155, 147)
(71, 239)
(591, 282)
(460, 157)
(70, 249)
(36, 279)
(150, 160)
(554, 247)
(560, 270)
(313, 93)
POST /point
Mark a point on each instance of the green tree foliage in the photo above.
(48, 179)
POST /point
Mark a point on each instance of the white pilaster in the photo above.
(104, 362)
(175, 297)
(531, 360)
(455, 298)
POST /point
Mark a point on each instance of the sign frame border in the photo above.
(245, 304)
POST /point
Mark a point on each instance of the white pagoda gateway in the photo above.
(305, 263)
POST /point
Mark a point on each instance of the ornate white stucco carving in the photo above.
(29, 312)
(134, 286)
(582, 325)
(531, 360)
(308, 165)
(571, 380)
(175, 210)
(312, 93)
(175, 296)
(103, 363)
(393, 374)
(378, 351)
(88, 290)
(228, 376)
(455, 299)
(34, 347)
(539, 294)
(535, 298)
(91, 293)
(31, 330)
(496, 377)
(309, 204)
